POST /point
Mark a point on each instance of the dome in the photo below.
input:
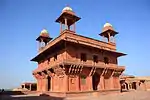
(44, 33)
(107, 25)
(67, 9)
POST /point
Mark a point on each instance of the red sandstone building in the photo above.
(130, 82)
(75, 63)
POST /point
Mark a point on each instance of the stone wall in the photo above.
(73, 53)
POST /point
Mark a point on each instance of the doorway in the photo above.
(49, 83)
(134, 85)
(127, 86)
(95, 81)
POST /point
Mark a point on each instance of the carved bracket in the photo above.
(93, 70)
(59, 71)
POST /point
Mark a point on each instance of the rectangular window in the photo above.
(55, 57)
(83, 57)
(95, 59)
(83, 80)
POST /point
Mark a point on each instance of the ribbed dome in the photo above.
(67, 9)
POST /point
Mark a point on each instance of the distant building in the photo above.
(74, 63)
(129, 82)
(27, 86)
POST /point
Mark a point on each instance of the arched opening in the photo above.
(95, 81)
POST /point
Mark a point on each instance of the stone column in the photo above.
(37, 84)
(74, 27)
(30, 87)
(60, 27)
(137, 86)
(66, 83)
(111, 83)
(40, 84)
(118, 83)
(66, 26)
(45, 84)
(90, 83)
(101, 83)
(108, 37)
(51, 83)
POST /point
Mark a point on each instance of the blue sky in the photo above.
(22, 20)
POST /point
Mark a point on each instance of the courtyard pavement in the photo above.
(132, 95)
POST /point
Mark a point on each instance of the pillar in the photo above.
(137, 86)
(101, 83)
(74, 27)
(51, 84)
(66, 26)
(90, 83)
(45, 84)
(30, 87)
(118, 82)
(111, 83)
(66, 83)
(23, 86)
(41, 84)
(38, 84)
(108, 37)
(60, 27)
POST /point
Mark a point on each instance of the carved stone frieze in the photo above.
(59, 71)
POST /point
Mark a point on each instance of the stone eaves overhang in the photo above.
(69, 63)
(72, 37)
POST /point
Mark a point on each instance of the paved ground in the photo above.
(133, 95)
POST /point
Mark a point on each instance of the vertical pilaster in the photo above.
(37, 85)
(137, 86)
(101, 83)
(118, 82)
(41, 84)
(90, 83)
(45, 84)
(51, 84)
(66, 83)
(111, 82)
